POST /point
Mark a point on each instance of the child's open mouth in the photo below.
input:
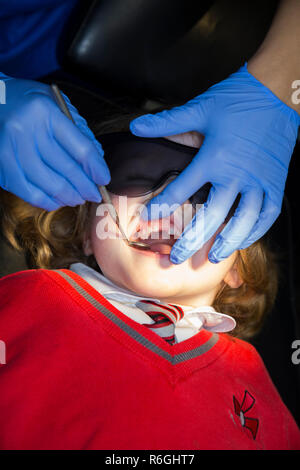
(158, 236)
(159, 244)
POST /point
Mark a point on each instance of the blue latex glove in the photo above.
(249, 139)
(45, 159)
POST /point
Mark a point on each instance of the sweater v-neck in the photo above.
(175, 361)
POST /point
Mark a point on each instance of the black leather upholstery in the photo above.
(168, 50)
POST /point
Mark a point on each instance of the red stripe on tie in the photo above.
(181, 313)
(163, 307)
(161, 317)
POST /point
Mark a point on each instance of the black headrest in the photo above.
(168, 50)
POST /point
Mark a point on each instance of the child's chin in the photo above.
(158, 287)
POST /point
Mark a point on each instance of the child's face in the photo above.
(194, 282)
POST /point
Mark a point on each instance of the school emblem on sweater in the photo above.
(243, 409)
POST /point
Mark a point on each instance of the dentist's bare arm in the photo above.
(277, 62)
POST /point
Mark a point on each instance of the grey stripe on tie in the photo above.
(176, 359)
(162, 331)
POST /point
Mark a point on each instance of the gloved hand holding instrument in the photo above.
(103, 191)
(44, 158)
(249, 139)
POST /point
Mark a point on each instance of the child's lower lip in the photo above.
(152, 253)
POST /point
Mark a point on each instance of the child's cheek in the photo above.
(103, 226)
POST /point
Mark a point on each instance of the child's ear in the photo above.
(87, 245)
(233, 278)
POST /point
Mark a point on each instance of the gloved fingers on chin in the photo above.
(269, 213)
(239, 225)
(204, 225)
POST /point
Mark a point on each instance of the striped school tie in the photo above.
(164, 315)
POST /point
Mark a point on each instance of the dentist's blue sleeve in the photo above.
(29, 35)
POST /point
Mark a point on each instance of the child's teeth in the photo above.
(155, 231)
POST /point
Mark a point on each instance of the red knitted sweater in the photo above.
(79, 374)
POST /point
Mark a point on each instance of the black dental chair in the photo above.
(144, 54)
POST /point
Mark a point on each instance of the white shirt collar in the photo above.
(194, 318)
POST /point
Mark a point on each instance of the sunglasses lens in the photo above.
(131, 189)
(143, 166)
(135, 187)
